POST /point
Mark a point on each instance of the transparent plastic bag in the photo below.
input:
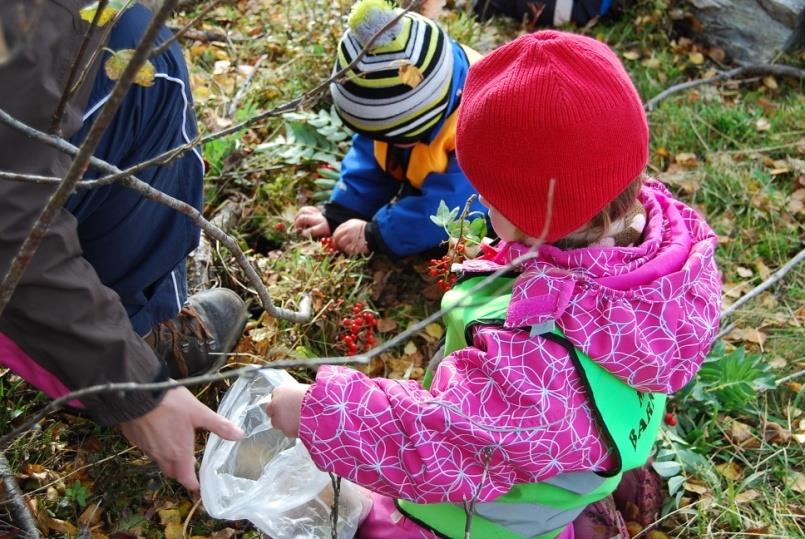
(269, 479)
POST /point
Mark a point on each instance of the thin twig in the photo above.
(20, 510)
(149, 192)
(81, 161)
(55, 126)
(469, 507)
(739, 72)
(181, 31)
(233, 105)
(336, 482)
(790, 377)
(292, 105)
(776, 276)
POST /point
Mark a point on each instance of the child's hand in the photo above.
(309, 221)
(285, 407)
(350, 237)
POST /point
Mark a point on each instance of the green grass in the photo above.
(734, 183)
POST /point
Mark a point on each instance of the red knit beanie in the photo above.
(551, 105)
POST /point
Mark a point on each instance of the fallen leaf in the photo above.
(385, 325)
(762, 124)
(778, 363)
(657, 534)
(116, 64)
(716, 54)
(740, 433)
(729, 470)
(166, 516)
(686, 159)
(410, 348)
(435, 330)
(748, 335)
(62, 526)
(776, 434)
(770, 82)
(747, 496)
(91, 515)
(696, 58)
(744, 272)
(410, 74)
(174, 530)
(795, 481)
(226, 533)
(696, 486)
(631, 55)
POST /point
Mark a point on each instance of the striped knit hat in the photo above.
(400, 89)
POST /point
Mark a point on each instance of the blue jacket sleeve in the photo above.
(363, 187)
(405, 226)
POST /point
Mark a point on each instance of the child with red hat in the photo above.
(556, 376)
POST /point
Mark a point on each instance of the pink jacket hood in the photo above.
(648, 314)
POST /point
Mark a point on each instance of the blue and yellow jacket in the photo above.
(398, 189)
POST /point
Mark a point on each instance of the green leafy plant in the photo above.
(78, 493)
(325, 183)
(310, 137)
(471, 228)
(218, 150)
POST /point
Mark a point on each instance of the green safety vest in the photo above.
(629, 420)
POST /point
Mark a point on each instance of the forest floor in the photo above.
(734, 460)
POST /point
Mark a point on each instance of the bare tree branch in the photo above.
(292, 105)
(181, 31)
(19, 509)
(776, 276)
(739, 72)
(67, 93)
(336, 483)
(149, 192)
(225, 218)
(79, 165)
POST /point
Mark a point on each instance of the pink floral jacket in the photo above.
(648, 314)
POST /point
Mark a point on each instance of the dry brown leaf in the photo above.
(716, 54)
(385, 325)
(762, 269)
(776, 434)
(730, 470)
(744, 272)
(747, 496)
(748, 335)
(770, 82)
(410, 348)
(91, 515)
(740, 433)
(762, 124)
(696, 486)
(631, 55)
(778, 363)
(410, 74)
(62, 526)
(687, 159)
(795, 481)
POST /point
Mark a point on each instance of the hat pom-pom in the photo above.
(368, 17)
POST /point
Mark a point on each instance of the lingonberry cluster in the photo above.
(357, 333)
(329, 246)
(440, 267)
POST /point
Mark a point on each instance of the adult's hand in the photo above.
(167, 433)
(310, 221)
(350, 237)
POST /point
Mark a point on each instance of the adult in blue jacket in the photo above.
(402, 99)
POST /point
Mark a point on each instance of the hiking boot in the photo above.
(197, 340)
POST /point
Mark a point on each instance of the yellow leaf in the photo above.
(410, 74)
(173, 530)
(117, 62)
(91, 515)
(770, 82)
(696, 58)
(62, 527)
(796, 481)
(434, 330)
(167, 516)
(729, 470)
(88, 14)
(687, 160)
(410, 348)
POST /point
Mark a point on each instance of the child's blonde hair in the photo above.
(598, 227)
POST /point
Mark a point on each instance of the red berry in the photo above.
(279, 227)
(670, 419)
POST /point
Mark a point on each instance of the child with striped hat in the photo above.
(401, 97)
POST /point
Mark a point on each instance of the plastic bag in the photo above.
(269, 479)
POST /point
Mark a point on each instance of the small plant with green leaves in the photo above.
(310, 138)
(465, 233)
